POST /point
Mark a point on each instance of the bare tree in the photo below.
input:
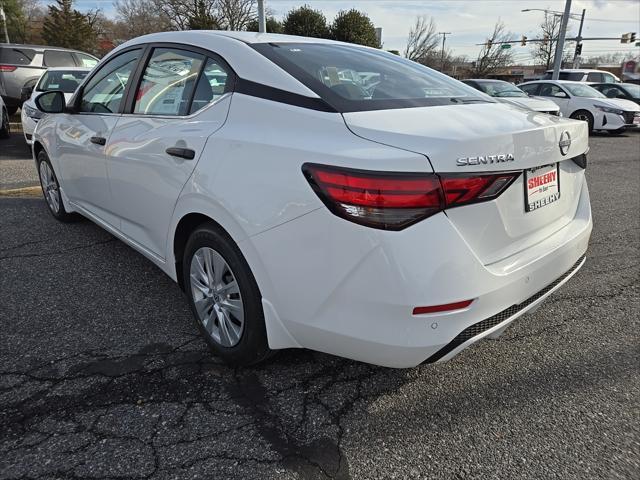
(181, 13)
(545, 52)
(422, 43)
(492, 56)
(235, 14)
(140, 17)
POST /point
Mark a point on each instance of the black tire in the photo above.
(5, 128)
(585, 116)
(620, 131)
(252, 346)
(55, 208)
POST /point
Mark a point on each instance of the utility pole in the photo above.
(576, 55)
(262, 20)
(557, 61)
(4, 24)
(444, 38)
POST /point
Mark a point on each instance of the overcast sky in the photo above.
(471, 21)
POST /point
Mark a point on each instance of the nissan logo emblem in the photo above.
(565, 142)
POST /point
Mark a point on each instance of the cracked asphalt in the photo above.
(103, 374)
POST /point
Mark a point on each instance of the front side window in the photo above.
(103, 93)
(579, 90)
(551, 90)
(168, 82)
(58, 58)
(356, 79)
(595, 77)
(531, 89)
(67, 81)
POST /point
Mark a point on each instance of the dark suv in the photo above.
(22, 65)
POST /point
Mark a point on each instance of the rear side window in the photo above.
(212, 84)
(16, 56)
(168, 82)
(58, 58)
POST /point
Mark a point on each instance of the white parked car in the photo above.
(505, 92)
(5, 128)
(583, 75)
(64, 79)
(394, 225)
(580, 101)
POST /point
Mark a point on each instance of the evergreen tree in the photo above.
(354, 27)
(66, 27)
(306, 22)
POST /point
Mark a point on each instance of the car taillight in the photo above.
(395, 200)
(7, 68)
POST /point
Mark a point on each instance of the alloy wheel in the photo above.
(50, 187)
(216, 296)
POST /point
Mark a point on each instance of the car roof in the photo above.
(39, 47)
(579, 70)
(555, 81)
(69, 69)
(488, 80)
(245, 37)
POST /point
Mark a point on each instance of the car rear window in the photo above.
(352, 79)
(58, 58)
(16, 56)
(573, 76)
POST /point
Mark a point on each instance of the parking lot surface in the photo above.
(16, 167)
(103, 374)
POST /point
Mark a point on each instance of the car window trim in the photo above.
(129, 103)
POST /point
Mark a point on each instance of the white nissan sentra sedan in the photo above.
(394, 221)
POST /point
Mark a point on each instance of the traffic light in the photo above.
(578, 50)
(489, 43)
(624, 38)
(524, 41)
(545, 39)
(632, 37)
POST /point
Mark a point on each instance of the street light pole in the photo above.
(262, 21)
(576, 57)
(4, 24)
(444, 37)
(557, 61)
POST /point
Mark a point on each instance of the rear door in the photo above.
(180, 99)
(83, 136)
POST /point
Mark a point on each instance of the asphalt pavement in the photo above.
(17, 170)
(103, 374)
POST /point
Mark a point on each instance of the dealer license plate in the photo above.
(542, 186)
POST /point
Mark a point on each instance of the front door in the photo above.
(83, 137)
(182, 98)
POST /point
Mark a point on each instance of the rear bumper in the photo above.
(347, 290)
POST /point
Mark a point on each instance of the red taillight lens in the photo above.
(395, 200)
(7, 68)
(386, 200)
(460, 189)
(442, 308)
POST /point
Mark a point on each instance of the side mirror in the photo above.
(51, 102)
(25, 93)
(560, 95)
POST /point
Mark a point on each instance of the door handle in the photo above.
(185, 153)
(98, 140)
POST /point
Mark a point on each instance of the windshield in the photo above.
(66, 81)
(578, 90)
(631, 89)
(352, 79)
(501, 89)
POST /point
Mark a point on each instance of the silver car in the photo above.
(22, 65)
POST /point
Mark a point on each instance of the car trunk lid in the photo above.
(491, 137)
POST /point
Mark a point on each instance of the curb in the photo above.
(22, 192)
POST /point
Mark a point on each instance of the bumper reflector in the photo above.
(442, 308)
